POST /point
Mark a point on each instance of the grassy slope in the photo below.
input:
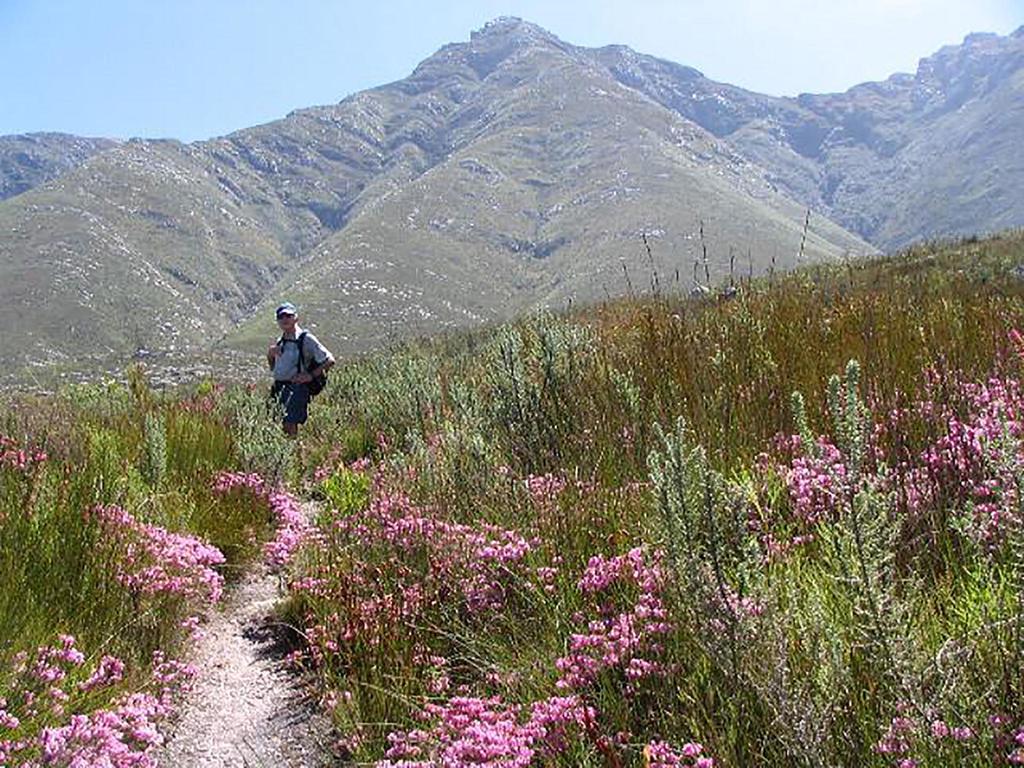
(805, 668)
(28, 160)
(545, 202)
(537, 437)
(141, 249)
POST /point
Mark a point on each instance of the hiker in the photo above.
(295, 359)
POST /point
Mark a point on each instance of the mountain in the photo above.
(530, 175)
(916, 156)
(26, 161)
(511, 171)
(507, 172)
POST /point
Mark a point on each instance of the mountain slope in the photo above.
(139, 248)
(28, 160)
(553, 173)
(505, 172)
(924, 155)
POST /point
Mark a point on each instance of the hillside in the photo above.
(681, 532)
(782, 528)
(487, 182)
(552, 174)
(26, 161)
(929, 154)
(508, 172)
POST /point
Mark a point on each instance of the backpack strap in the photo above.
(302, 352)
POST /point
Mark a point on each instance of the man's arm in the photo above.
(322, 367)
(319, 350)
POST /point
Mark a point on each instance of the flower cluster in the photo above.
(817, 481)
(334, 463)
(468, 731)
(908, 734)
(397, 565)
(897, 737)
(17, 457)
(109, 672)
(289, 519)
(975, 463)
(152, 560)
(119, 735)
(628, 639)
(437, 562)
(1017, 755)
(659, 754)
(971, 465)
(545, 489)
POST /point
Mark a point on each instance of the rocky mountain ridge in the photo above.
(860, 157)
(510, 171)
(28, 160)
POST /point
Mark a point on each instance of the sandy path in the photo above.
(245, 709)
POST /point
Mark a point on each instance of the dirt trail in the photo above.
(246, 710)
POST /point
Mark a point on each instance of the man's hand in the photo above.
(301, 378)
(274, 352)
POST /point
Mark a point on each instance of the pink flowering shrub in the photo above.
(970, 465)
(659, 754)
(545, 489)
(973, 464)
(469, 731)
(400, 583)
(153, 561)
(20, 471)
(627, 639)
(912, 738)
(817, 482)
(396, 563)
(17, 457)
(66, 714)
(291, 526)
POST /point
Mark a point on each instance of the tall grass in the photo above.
(781, 526)
(810, 561)
(110, 530)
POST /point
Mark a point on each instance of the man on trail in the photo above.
(296, 359)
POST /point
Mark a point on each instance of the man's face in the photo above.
(286, 322)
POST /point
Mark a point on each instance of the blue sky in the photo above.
(193, 69)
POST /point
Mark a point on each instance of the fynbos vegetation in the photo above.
(779, 528)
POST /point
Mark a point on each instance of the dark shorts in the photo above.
(294, 398)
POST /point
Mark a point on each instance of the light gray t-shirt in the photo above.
(287, 364)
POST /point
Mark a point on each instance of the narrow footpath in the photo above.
(246, 710)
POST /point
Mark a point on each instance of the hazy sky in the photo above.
(192, 69)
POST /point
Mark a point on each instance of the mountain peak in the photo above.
(512, 27)
(504, 39)
(979, 37)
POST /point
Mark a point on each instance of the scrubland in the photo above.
(781, 526)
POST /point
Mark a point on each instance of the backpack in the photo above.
(316, 386)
